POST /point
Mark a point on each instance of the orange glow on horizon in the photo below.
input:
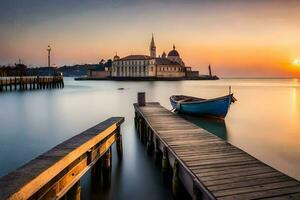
(237, 39)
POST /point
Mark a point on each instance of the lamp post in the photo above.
(49, 51)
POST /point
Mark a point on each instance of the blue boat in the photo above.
(217, 107)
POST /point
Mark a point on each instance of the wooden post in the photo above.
(175, 179)
(30, 83)
(34, 82)
(38, 83)
(141, 99)
(106, 167)
(25, 83)
(141, 128)
(166, 172)
(165, 161)
(62, 82)
(10, 84)
(149, 141)
(15, 83)
(1, 85)
(119, 144)
(157, 154)
(44, 81)
(6, 84)
(20, 83)
(135, 119)
(74, 192)
(196, 192)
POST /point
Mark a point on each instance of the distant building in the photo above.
(101, 70)
(170, 65)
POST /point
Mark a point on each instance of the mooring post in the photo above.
(106, 170)
(141, 99)
(119, 144)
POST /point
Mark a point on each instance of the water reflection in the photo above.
(213, 125)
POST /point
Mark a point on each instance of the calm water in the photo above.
(264, 122)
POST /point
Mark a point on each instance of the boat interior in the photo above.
(182, 98)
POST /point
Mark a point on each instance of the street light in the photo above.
(49, 50)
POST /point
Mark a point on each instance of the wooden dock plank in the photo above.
(31, 177)
(222, 170)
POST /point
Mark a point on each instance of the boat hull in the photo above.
(215, 107)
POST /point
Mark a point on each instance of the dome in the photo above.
(116, 57)
(173, 52)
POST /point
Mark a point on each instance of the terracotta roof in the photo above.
(136, 57)
(165, 61)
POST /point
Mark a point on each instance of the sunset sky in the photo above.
(238, 38)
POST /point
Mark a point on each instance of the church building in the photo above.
(164, 66)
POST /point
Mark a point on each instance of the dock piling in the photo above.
(175, 179)
(165, 160)
(141, 99)
(106, 168)
(74, 192)
(149, 141)
(119, 144)
(157, 153)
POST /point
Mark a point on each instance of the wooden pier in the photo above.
(30, 83)
(207, 166)
(56, 173)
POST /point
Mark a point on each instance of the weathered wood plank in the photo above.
(220, 170)
(31, 177)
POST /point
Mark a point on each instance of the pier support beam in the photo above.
(74, 192)
(119, 144)
(175, 179)
(197, 195)
(141, 129)
(157, 152)
(149, 141)
(1, 85)
(106, 168)
(165, 160)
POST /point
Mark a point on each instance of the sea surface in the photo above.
(265, 122)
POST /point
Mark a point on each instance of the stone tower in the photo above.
(152, 48)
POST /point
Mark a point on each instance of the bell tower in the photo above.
(152, 48)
